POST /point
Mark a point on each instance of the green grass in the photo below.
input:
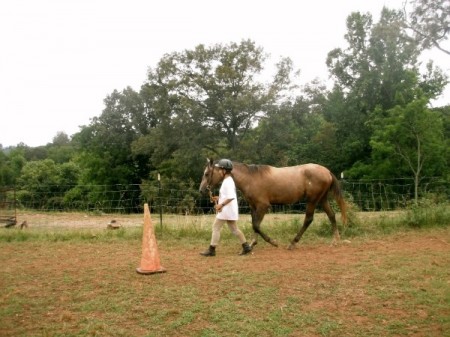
(280, 226)
(86, 286)
(389, 277)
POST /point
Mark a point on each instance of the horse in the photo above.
(265, 185)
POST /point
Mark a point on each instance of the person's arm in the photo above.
(227, 201)
(220, 206)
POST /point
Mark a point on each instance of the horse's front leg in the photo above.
(257, 217)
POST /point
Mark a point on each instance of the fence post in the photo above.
(160, 203)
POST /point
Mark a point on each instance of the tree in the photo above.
(410, 135)
(216, 89)
(61, 139)
(297, 132)
(43, 183)
(378, 70)
(104, 152)
(61, 150)
(6, 172)
(104, 146)
(270, 141)
(204, 103)
(11, 163)
(429, 21)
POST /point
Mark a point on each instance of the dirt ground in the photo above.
(359, 284)
(95, 221)
(394, 285)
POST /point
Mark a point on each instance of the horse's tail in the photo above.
(339, 196)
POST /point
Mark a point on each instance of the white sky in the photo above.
(59, 59)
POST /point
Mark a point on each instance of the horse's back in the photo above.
(294, 183)
(316, 172)
(307, 172)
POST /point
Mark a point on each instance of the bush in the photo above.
(427, 214)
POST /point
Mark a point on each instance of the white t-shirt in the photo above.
(228, 191)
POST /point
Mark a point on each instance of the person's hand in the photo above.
(218, 207)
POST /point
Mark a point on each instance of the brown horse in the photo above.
(264, 185)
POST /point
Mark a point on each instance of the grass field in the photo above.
(376, 282)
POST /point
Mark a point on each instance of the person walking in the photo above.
(227, 210)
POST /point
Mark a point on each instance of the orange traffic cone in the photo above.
(150, 263)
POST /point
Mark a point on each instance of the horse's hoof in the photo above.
(291, 247)
(273, 243)
(335, 243)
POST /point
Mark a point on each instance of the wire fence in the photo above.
(394, 194)
(97, 205)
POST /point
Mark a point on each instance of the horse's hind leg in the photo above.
(309, 217)
(327, 208)
(257, 217)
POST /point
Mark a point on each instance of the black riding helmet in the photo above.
(225, 164)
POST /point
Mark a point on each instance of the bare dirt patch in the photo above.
(64, 220)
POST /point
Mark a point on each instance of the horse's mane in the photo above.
(253, 169)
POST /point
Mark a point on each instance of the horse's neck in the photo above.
(240, 178)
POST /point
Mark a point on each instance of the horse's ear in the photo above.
(209, 161)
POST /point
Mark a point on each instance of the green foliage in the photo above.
(6, 172)
(211, 101)
(426, 213)
(410, 137)
(38, 174)
(71, 235)
(61, 150)
(42, 183)
(378, 70)
(11, 163)
(429, 22)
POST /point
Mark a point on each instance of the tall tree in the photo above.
(218, 88)
(12, 164)
(105, 144)
(410, 137)
(6, 172)
(205, 102)
(296, 132)
(61, 149)
(429, 20)
(378, 69)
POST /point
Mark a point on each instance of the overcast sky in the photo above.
(59, 59)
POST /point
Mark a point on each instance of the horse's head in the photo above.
(211, 176)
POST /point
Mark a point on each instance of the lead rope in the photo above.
(211, 199)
